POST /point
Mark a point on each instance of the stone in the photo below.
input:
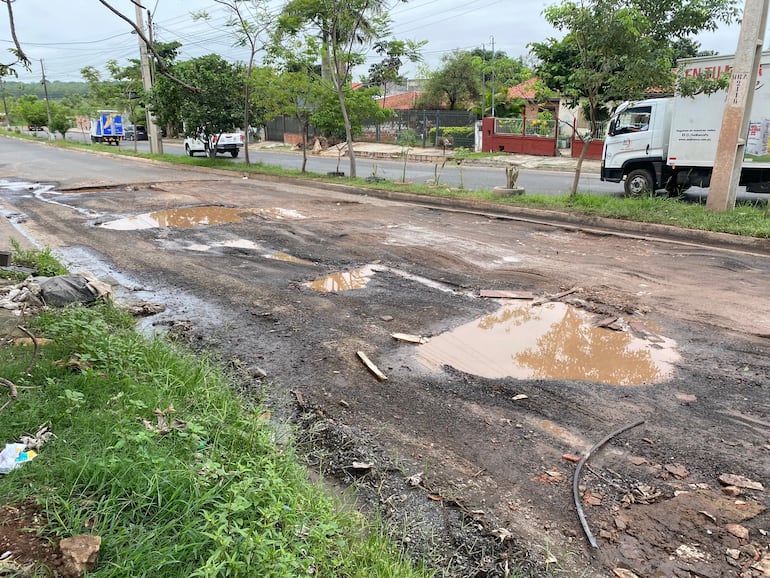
(79, 554)
(738, 531)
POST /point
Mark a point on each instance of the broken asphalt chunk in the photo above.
(740, 482)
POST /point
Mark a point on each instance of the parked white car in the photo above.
(226, 142)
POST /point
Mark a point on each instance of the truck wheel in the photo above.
(234, 153)
(638, 182)
(188, 150)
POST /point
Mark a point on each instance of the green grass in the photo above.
(749, 220)
(214, 497)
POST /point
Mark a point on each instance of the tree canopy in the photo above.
(619, 49)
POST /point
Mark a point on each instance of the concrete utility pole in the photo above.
(740, 95)
(156, 145)
(493, 77)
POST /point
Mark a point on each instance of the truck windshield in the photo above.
(633, 119)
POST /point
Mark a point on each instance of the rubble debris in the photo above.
(678, 471)
(732, 491)
(763, 565)
(80, 554)
(371, 366)
(740, 532)
(520, 396)
(571, 458)
(691, 553)
(25, 294)
(555, 296)
(740, 482)
(144, 308)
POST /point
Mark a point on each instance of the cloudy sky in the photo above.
(68, 35)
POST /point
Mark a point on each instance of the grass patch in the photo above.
(210, 495)
(41, 260)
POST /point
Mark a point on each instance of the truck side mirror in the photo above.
(611, 129)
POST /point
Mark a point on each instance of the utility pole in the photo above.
(47, 105)
(156, 145)
(740, 95)
(483, 75)
(493, 76)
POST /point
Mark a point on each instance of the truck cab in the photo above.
(636, 146)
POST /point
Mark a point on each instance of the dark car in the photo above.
(134, 132)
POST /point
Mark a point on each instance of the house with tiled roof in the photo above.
(403, 101)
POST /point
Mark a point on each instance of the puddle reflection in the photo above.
(552, 341)
(345, 281)
(187, 217)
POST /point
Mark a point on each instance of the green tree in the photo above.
(343, 26)
(456, 83)
(166, 97)
(297, 88)
(388, 70)
(32, 110)
(61, 119)
(687, 48)
(361, 108)
(216, 105)
(618, 49)
(249, 23)
(498, 72)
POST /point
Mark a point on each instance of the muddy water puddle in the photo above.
(552, 341)
(187, 217)
(343, 281)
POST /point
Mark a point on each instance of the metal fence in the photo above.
(276, 129)
(432, 127)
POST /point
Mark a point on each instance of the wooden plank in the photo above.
(493, 294)
(406, 337)
(373, 368)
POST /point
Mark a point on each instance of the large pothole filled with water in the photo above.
(553, 341)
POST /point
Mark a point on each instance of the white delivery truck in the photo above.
(671, 143)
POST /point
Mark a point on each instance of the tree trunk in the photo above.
(348, 130)
(304, 145)
(579, 165)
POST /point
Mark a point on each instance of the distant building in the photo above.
(402, 101)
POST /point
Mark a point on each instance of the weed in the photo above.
(203, 492)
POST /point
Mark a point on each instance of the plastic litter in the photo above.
(13, 455)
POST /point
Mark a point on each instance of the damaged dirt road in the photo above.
(465, 430)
